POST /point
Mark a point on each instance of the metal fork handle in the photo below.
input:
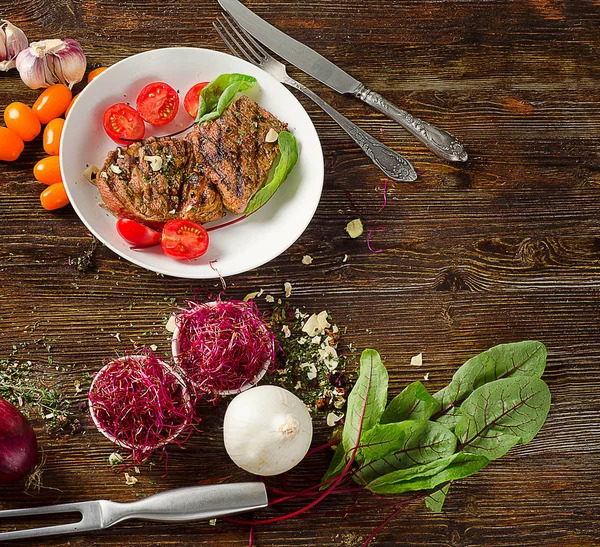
(391, 163)
(441, 142)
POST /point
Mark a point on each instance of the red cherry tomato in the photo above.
(123, 124)
(47, 170)
(137, 234)
(184, 239)
(11, 145)
(21, 119)
(192, 98)
(158, 103)
(52, 102)
(54, 197)
(52, 134)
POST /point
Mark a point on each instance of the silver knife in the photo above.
(441, 142)
(179, 505)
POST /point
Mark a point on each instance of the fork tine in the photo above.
(244, 35)
(219, 26)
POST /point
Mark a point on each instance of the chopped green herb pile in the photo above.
(311, 366)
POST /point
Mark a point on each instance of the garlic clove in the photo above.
(12, 42)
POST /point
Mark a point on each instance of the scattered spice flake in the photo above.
(287, 287)
(416, 360)
(212, 522)
(115, 459)
(307, 259)
(269, 299)
(355, 228)
(286, 331)
(253, 295)
(369, 234)
(311, 373)
(345, 259)
(385, 187)
(77, 385)
(171, 324)
(333, 418)
(130, 480)
(426, 377)
(153, 347)
(222, 279)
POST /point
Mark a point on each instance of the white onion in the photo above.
(267, 430)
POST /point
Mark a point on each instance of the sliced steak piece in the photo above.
(233, 152)
(157, 180)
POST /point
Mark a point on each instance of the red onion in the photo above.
(18, 445)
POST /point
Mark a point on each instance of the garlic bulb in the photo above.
(12, 42)
(50, 62)
(267, 430)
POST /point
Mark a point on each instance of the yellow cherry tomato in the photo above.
(47, 170)
(71, 104)
(54, 197)
(52, 103)
(21, 119)
(94, 73)
(11, 145)
(52, 134)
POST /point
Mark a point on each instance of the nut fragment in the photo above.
(272, 135)
(156, 162)
(90, 173)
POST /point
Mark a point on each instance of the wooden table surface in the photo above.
(503, 248)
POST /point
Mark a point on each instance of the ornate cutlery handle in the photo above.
(441, 142)
(391, 163)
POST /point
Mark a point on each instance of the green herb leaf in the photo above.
(413, 403)
(288, 148)
(435, 501)
(501, 414)
(338, 462)
(219, 94)
(527, 358)
(426, 477)
(388, 447)
(371, 387)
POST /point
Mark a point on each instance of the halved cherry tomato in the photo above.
(158, 103)
(137, 234)
(47, 170)
(184, 239)
(54, 197)
(123, 124)
(71, 104)
(96, 72)
(21, 119)
(192, 98)
(52, 103)
(11, 145)
(52, 134)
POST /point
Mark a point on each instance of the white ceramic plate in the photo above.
(237, 248)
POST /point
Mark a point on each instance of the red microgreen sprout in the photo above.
(223, 347)
(369, 234)
(140, 404)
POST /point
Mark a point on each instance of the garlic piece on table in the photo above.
(156, 162)
(272, 135)
(49, 62)
(12, 42)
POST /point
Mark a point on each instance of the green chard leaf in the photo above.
(288, 148)
(337, 465)
(435, 501)
(389, 447)
(219, 94)
(501, 414)
(429, 476)
(371, 387)
(527, 358)
(412, 403)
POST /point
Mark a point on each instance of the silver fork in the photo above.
(242, 45)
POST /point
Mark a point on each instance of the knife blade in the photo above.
(439, 141)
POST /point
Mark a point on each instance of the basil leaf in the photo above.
(288, 147)
(501, 414)
(369, 392)
(219, 94)
(338, 462)
(435, 501)
(388, 447)
(429, 476)
(412, 403)
(527, 358)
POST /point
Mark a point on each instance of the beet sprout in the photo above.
(369, 234)
(214, 269)
(385, 187)
(224, 346)
(140, 404)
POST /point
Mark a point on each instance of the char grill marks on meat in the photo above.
(157, 180)
(234, 153)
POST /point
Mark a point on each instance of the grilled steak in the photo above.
(233, 152)
(157, 180)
